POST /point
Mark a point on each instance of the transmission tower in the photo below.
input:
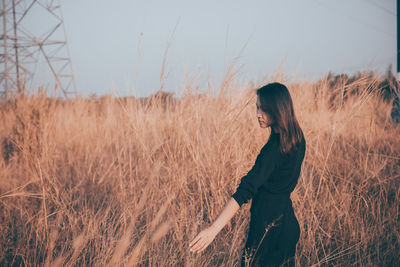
(33, 30)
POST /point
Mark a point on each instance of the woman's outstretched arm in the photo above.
(205, 237)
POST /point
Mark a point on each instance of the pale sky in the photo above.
(118, 46)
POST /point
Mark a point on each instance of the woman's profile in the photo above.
(273, 230)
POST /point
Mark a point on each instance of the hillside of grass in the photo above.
(123, 181)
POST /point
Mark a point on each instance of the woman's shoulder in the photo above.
(272, 144)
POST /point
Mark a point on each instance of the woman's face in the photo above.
(263, 118)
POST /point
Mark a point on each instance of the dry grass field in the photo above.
(124, 182)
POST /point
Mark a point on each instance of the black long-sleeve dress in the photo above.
(274, 229)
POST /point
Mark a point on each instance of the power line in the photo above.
(388, 11)
(354, 19)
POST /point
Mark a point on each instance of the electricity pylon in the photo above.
(22, 45)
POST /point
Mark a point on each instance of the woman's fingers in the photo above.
(196, 247)
(194, 241)
(195, 244)
(202, 240)
(201, 245)
(206, 244)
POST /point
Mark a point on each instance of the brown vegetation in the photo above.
(124, 181)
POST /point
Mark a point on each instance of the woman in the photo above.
(274, 230)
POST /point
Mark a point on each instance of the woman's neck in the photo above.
(274, 129)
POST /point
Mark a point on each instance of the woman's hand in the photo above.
(203, 239)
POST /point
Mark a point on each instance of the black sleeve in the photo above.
(259, 173)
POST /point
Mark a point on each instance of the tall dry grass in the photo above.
(123, 182)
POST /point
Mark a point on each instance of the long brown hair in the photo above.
(276, 101)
